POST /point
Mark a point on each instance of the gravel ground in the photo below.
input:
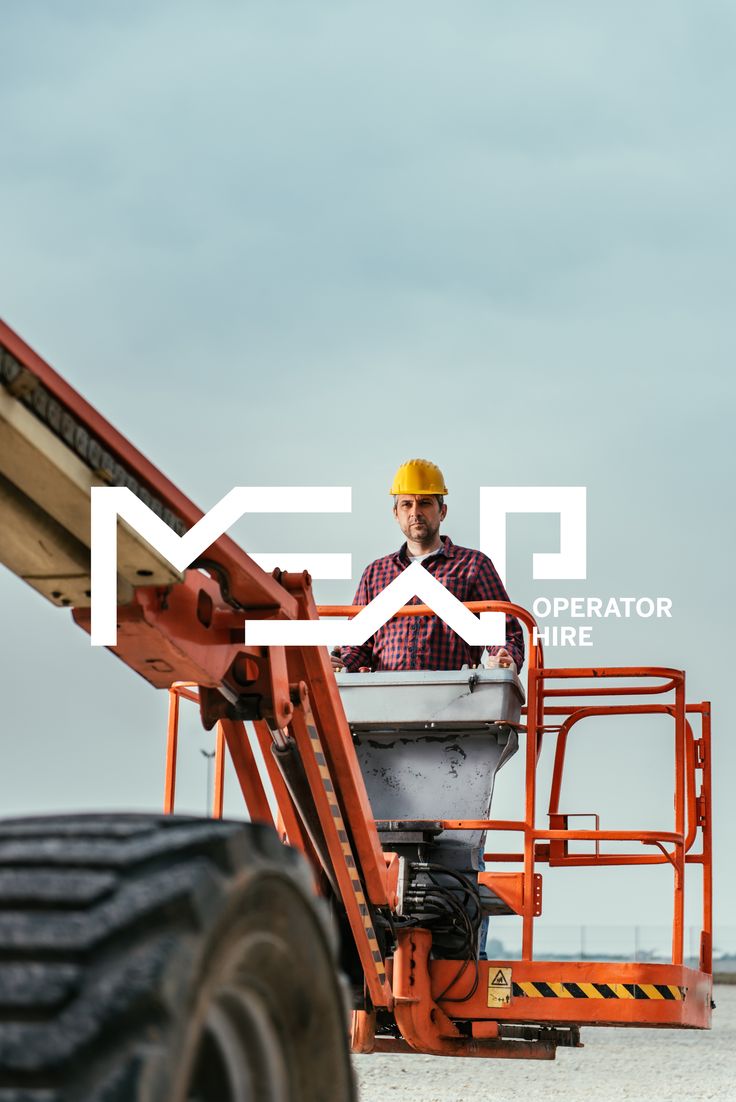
(641, 1065)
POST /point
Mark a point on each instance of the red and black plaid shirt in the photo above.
(425, 642)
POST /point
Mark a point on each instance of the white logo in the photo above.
(496, 502)
(111, 502)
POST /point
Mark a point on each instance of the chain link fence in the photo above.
(593, 942)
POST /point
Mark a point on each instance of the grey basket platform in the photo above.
(430, 743)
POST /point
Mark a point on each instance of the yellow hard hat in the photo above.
(418, 476)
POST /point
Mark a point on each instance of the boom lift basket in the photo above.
(430, 743)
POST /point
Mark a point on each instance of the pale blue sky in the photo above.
(298, 243)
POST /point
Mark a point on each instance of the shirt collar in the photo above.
(446, 548)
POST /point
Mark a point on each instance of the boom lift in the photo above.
(154, 958)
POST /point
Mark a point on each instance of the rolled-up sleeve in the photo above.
(355, 657)
(489, 587)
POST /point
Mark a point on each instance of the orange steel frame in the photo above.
(569, 705)
(188, 638)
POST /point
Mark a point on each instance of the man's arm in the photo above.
(489, 587)
(356, 658)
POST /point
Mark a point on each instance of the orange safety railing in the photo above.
(231, 737)
(550, 845)
(187, 690)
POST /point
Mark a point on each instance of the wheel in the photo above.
(164, 959)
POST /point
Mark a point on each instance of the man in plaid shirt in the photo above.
(425, 642)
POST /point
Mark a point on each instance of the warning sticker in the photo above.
(499, 986)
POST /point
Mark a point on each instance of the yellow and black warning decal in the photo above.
(499, 987)
(540, 989)
(347, 850)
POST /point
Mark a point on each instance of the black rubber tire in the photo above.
(164, 959)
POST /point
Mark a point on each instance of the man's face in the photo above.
(419, 516)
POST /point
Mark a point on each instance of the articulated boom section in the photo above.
(403, 877)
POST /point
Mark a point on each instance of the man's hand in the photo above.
(338, 664)
(501, 660)
(336, 659)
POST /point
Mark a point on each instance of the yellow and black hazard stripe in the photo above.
(541, 990)
(342, 834)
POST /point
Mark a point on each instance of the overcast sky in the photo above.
(299, 243)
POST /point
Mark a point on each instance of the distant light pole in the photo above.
(209, 754)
